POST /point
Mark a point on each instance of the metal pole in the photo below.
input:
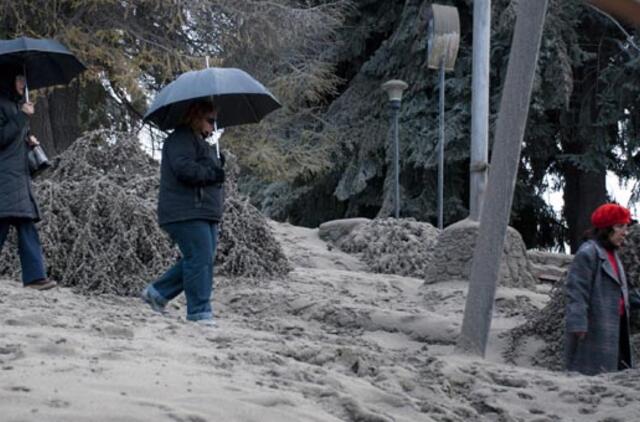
(480, 106)
(510, 128)
(441, 152)
(395, 107)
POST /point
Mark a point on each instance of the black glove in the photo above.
(219, 172)
(222, 159)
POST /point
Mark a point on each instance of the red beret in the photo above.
(608, 215)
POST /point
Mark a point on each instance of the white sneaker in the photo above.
(207, 323)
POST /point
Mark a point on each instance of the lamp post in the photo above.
(443, 40)
(394, 89)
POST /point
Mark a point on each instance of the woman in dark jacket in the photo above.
(190, 206)
(599, 299)
(18, 207)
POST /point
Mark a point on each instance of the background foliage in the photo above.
(324, 155)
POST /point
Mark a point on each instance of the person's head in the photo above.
(19, 84)
(201, 116)
(610, 223)
(12, 83)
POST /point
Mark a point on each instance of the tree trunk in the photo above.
(55, 122)
(584, 191)
(585, 186)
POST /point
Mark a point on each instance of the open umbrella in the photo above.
(45, 62)
(240, 98)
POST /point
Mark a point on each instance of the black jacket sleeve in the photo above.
(11, 127)
(188, 168)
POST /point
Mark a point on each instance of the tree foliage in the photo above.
(133, 48)
(325, 154)
(583, 120)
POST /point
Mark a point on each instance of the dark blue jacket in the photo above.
(16, 195)
(191, 179)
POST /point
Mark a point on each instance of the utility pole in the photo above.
(510, 128)
(480, 106)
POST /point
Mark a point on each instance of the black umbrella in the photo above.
(240, 98)
(45, 62)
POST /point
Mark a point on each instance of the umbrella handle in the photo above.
(215, 130)
(26, 84)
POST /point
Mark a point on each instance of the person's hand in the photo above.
(28, 109)
(32, 141)
(580, 334)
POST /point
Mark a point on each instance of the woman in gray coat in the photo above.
(599, 299)
(18, 207)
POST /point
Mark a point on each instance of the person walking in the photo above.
(599, 299)
(18, 207)
(190, 207)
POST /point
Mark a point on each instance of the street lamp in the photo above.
(443, 40)
(394, 89)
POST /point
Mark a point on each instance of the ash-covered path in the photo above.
(328, 343)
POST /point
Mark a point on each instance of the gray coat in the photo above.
(191, 180)
(16, 195)
(593, 294)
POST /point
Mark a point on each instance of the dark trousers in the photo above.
(624, 351)
(29, 248)
(193, 274)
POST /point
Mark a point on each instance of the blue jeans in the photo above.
(193, 274)
(29, 248)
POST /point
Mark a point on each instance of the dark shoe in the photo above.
(151, 301)
(44, 284)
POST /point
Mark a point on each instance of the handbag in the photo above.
(38, 160)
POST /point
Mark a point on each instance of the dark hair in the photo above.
(8, 83)
(196, 112)
(601, 236)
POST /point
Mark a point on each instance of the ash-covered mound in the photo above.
(630, 255)
(100, 232)
(393, 246)
(247, 244)
(546, 325)
(453, 256)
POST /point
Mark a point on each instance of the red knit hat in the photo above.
(608, 215)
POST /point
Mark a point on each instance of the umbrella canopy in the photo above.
(46, 61)
(240, 98)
